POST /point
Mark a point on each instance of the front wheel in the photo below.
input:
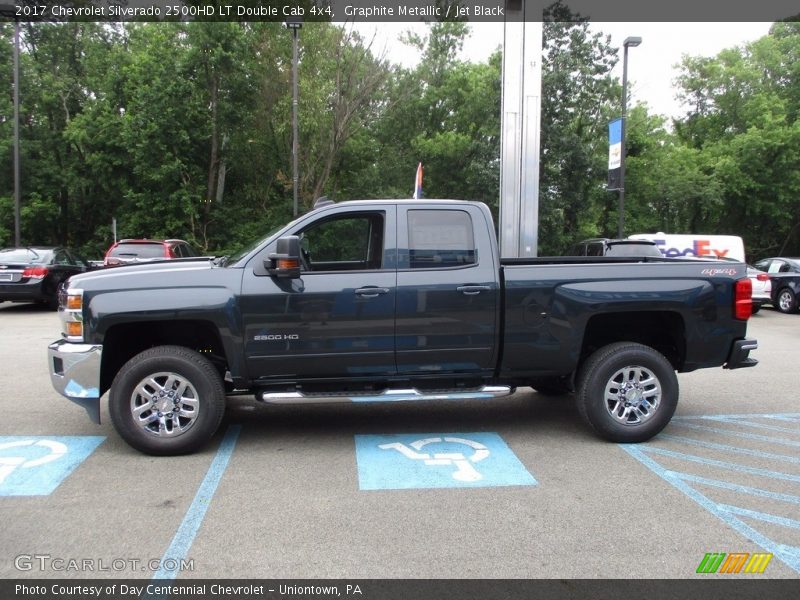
(787, 301)
(627, 392)
(167, 400)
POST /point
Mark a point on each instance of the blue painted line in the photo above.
(724, 465)
(741, 416)
(759, 516)
(726, 448)
(794, 550)
(739, 434)
(35, 465)
(184, 537)
(759, 425)
(738, 488)
(786, 555)
(783, 418)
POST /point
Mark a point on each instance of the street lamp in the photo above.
(10, 10)
(629, 41)
(294, 23)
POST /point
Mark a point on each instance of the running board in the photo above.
(410, 395)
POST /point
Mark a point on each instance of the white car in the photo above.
(762, 287)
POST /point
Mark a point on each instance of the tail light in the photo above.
(743, 299)
(762, 277)
(35, 272)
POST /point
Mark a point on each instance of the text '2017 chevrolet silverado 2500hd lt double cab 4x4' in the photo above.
(392, 300)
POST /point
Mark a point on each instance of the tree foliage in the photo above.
(183, 129)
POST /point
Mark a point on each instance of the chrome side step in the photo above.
(485, 392)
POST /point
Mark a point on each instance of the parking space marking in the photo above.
(727, 448)
(740, 434)
(36, 465)
(724, 465)
(725, 485)
(184, 537)
(437, 460)
(783, 418)
(732, 514)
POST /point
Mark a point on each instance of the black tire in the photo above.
(52, 302)
(652, 405)
(552, 386)
(197, 385)
(786, 301)
(755, 309)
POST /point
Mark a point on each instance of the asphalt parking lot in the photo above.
(286, 492)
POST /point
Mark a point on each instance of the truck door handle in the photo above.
(371, 292)
(473, 290)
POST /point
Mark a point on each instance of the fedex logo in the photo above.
(700, 247)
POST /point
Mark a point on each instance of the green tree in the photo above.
(744, 124)
(579, 98)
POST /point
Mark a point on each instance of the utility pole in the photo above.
(294, 23)
(9, 10)
(630, 41)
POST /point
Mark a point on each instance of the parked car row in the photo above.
(34, 273)
(126, 252)
(784, 273)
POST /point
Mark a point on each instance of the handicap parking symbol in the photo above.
(36, 465)
(413, 461)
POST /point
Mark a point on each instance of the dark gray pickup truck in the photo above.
(387, 300)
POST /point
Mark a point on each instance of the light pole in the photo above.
(294, 23)
(9, 10)
(629, 41)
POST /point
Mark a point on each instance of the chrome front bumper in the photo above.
(75, 373)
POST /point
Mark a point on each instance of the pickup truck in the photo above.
(390, 300)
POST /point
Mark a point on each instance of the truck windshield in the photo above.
(247, 249)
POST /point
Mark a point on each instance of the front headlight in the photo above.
(70, 310)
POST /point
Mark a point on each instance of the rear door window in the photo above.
(440, 239)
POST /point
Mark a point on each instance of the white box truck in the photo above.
(695, 244)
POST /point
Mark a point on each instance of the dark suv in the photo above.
(126, 252)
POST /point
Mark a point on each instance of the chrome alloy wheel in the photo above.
(786, 301)
(165, 404)
(633, 395)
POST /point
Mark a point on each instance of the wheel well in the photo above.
(123, 342)
(662, 330)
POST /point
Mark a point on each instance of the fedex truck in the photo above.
(695, 244)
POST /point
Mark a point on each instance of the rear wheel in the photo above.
(627, 392)
(167, 400)
(787, 301)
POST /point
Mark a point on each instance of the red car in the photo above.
(126, 252)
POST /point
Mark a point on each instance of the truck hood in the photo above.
(143, 274)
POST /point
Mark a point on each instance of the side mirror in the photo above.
(285, 261)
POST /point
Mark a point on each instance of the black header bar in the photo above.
(409, 11)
